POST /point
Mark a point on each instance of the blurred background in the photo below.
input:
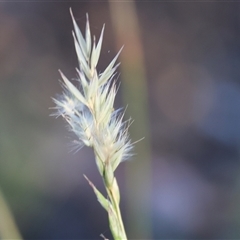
(180, 78)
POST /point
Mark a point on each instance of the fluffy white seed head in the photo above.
(89, 107)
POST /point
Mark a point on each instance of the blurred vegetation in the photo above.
(190, 54)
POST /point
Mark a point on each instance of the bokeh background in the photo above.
(180, 77)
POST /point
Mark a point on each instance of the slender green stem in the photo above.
(118, 212)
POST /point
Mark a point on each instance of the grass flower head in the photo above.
(88, 108)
